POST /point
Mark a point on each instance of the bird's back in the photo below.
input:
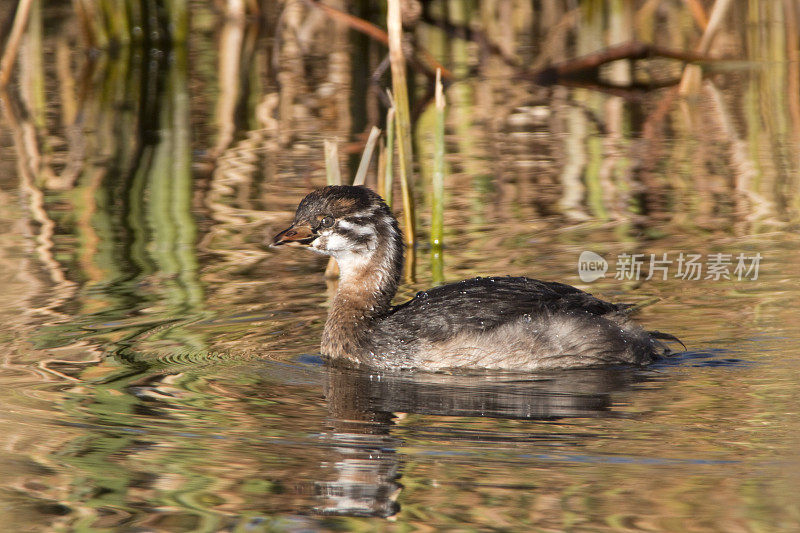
(512, 323)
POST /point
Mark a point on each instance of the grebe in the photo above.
(508, 323)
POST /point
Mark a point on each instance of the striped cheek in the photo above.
(358, 235)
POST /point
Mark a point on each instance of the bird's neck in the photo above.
(367, 284)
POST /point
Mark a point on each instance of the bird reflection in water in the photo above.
(363, 407)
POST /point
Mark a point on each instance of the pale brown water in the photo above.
(160, 369)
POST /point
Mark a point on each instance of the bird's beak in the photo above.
(294, 236)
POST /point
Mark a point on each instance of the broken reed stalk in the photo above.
(334, 177)
(388, 177)
(437, 201)
(332, 171)
(403, 124)
(366, 157)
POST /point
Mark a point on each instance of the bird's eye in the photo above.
(327, 222)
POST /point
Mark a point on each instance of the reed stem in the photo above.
(402, 119)
(388, 178)
(366, 157)
(380, 185)
(437, 215)
(437, 200)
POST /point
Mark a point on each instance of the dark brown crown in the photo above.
(339, 201)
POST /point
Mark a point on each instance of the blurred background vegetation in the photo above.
(220, 86)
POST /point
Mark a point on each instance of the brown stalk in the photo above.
(692, 74)
(589, 63)
(698, 13)
(12, 44)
